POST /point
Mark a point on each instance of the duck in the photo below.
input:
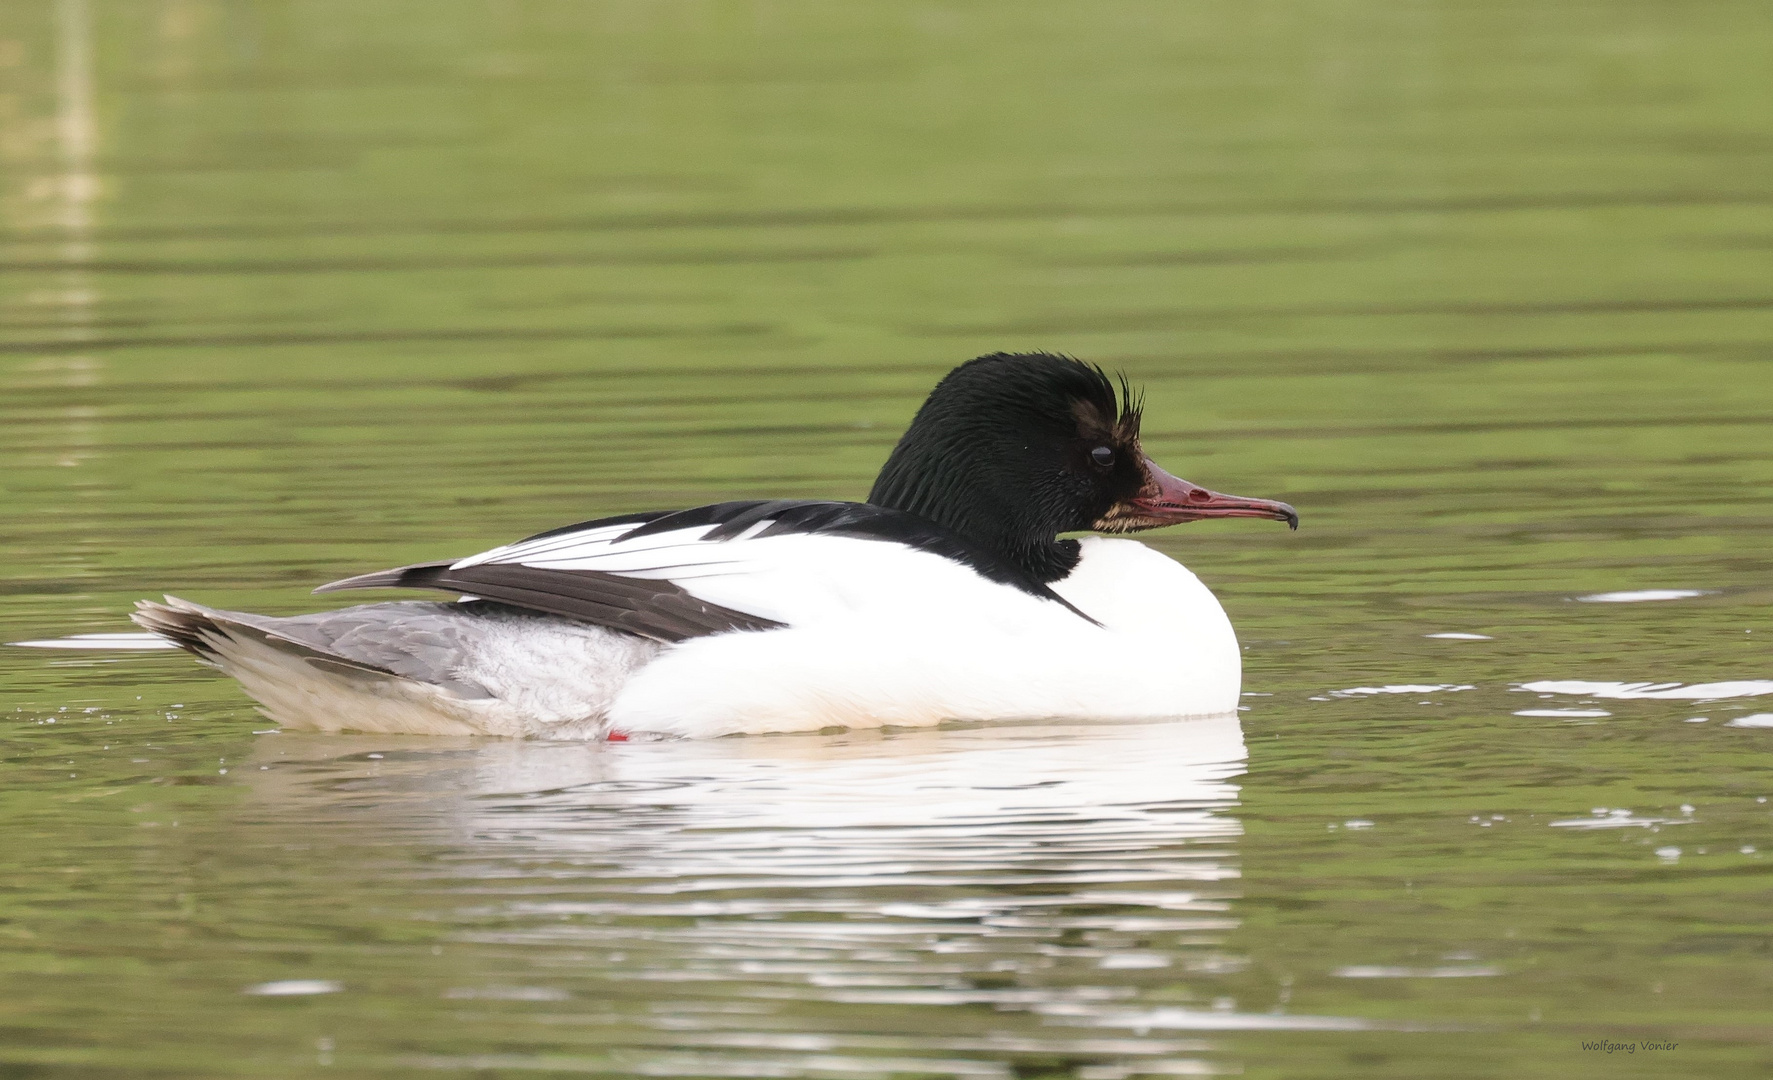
(954, 593)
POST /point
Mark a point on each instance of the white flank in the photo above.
(882, 635)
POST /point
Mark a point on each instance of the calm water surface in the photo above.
(290, 291)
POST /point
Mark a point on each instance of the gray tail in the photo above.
(302, 676)
(206, 632)
(183, 623)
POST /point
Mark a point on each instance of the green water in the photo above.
(290, 291)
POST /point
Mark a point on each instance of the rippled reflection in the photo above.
(748, 893)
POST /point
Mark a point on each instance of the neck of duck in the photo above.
(1017, 530)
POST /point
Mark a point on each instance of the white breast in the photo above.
(883, 635)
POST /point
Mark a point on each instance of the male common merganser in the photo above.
(948, 595)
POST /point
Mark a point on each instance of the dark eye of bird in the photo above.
(1102, 456)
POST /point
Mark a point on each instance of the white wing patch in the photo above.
(667, 556)
(587, 540)
(793, 578)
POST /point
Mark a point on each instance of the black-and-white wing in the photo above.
(659, 575)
